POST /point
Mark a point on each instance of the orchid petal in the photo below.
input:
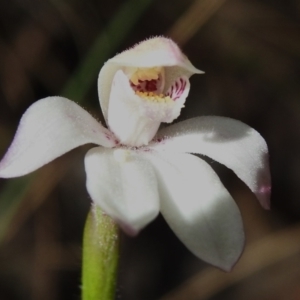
(134, 119)
(155, 52)
(198, 208)
(127, 116)
(48, 129)
(124, 185)
(230, 142)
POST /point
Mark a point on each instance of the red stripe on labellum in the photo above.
(177, 89)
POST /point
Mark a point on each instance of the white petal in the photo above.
(123, 185)
(157, 51)
(154, 52)
(199, 209)
(49, 128)
(230, 142)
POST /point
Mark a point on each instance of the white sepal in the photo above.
(229, 142)
(124, 185)
(49, 128)
(198, 208)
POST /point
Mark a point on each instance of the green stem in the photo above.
(100, 256)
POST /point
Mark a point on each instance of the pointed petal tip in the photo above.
(229, 266)
(225, 268)
(197, 71)
(7, 176)
(263, 195)
(2, 169)
(128, 229)
(226, 265)
(8, 171)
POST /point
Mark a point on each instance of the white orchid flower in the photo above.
(136, 172)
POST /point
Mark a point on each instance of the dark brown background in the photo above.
(250, 51)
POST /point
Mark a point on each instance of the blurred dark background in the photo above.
(250, 52)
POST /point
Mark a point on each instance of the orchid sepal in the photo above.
(227, 141)
(198, 208)
(48, 129)
(124, 185)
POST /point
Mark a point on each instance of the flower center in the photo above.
(149, 84)
(147, 80)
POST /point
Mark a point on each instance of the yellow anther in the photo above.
(145, 74)
(150, 96)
